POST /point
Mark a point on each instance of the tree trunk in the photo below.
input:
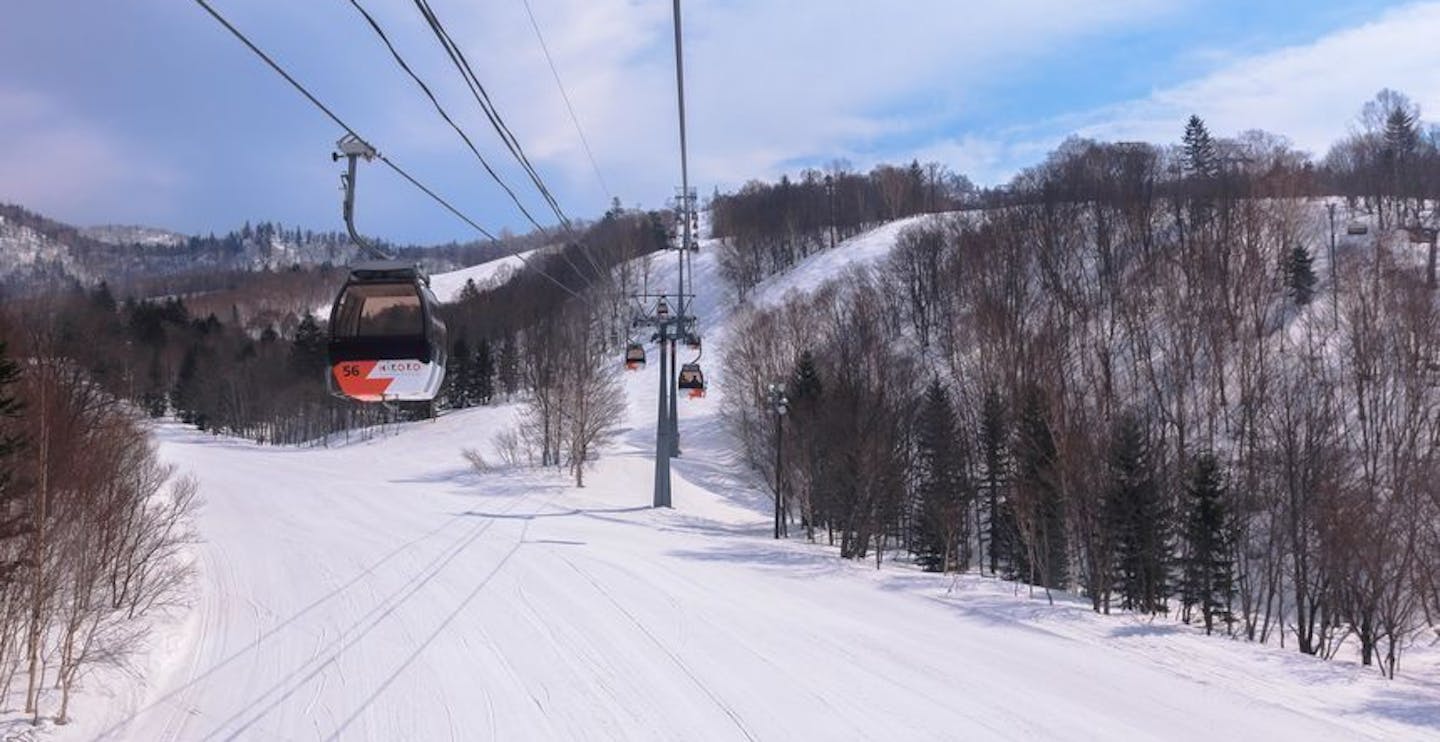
(37, 556)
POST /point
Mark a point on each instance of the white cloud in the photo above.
(1309, 93)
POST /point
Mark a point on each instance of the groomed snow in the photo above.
(385, 590)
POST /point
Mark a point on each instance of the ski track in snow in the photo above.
(383, 590)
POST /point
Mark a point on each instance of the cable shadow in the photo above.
(429, 639)
(1408, 707)
(559, 514)
(787, 562)
(638, 439)
(726, 475)
(1144, 629)
(698, 526)
(277, 628)
(459, 474)
(349, 637)
(1018, 609)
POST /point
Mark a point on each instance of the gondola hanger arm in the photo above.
(352, 148)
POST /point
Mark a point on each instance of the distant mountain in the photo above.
(33, 254)
(38, 254)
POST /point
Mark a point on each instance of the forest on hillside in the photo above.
(250, 359)
(1201, 379)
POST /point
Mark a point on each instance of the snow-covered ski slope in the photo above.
(447, 286)
(385, 590)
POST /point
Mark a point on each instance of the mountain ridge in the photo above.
(39, 254)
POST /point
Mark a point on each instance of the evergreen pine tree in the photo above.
(175, 311)
(146, 324)
(482, 386)
(469, 291)
(1208, 570)
(1200, 158)
(1016, 564)
(309, 353)
(915, 178)
(1137, 521)
(103, 299)
(10, 409)
(805, 381)
(1402, 141)
(804, 436)
(153, 398)
(940, 491)
(1402, 136)
(1037, 477)
(185, 397)
(457, 376)
(995, 460)
(1300, 275)
(507, 371)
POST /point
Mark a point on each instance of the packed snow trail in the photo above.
(386, 590)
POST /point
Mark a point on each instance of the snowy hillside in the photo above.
(36, 251)
(862, 251)
(386, 590)
(24, 251)
(122, 234)
(447, 286)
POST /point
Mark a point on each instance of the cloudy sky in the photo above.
(148, 111)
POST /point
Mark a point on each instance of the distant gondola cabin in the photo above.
(692, 379)
(635, 356)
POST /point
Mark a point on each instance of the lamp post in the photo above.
(780, 405)
(830, 206)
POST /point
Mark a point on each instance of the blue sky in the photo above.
(147, 112)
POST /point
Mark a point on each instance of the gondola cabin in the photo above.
(692, 379)
(387, 341)
(1356, 228)
(634, 356)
